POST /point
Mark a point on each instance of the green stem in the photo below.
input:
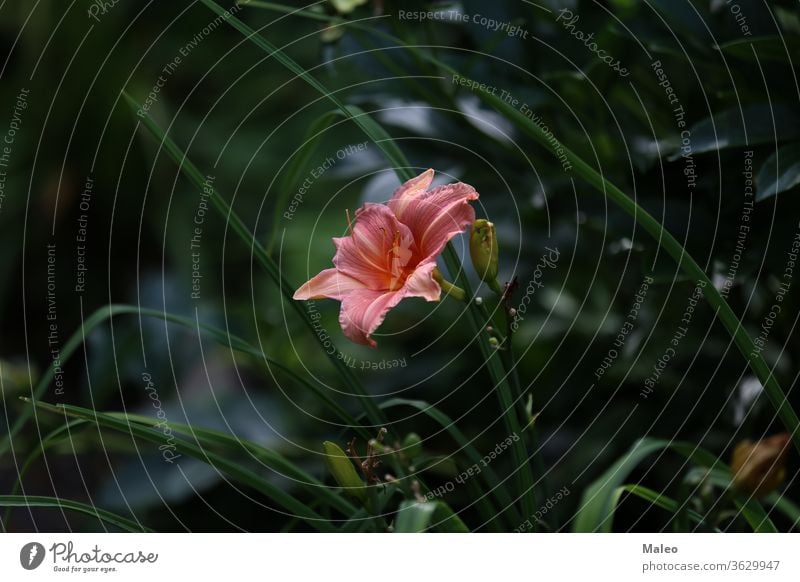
(452, 290)
(528, 427)
(478, 317)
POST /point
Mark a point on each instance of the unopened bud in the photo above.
(484, 251)
(343, 471)
(759, 468)
(412, 445)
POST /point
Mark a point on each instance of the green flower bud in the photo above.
(412, 445)
(343, 471)
(483, 249)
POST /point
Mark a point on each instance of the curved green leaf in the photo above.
(780, 172)
(657, 499)
(58, 503)
(416, 517)
(596, 511)
(233, 470)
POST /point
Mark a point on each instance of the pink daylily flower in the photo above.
(390, 253)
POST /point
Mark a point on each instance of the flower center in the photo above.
(398, 260)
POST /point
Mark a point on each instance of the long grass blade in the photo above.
(233, 470)
(58, 503)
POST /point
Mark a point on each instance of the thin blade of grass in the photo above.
(272, 459)
(58, 503)
(233, 470)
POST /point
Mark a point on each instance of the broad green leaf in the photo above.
(780, 172)
(657, 499)
(596, 511)
(416, 517)
(58, 503)
(762, 123)
(785, 506)
(763, 48)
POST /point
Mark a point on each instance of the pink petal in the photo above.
(437, 216)
(363, 310)
(410, 190)
(377, 250)
(421, 284)
(329, 283)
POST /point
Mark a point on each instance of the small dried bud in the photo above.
(759, 468)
